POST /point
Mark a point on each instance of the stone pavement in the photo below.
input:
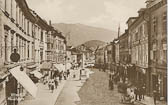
(44, 95)
(69, 94)
(149, 101)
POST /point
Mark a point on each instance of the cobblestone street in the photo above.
(93, 92)
(96, 91)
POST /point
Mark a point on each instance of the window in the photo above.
(41, 36)
(33, 29)
(25, 24)
(27, 27)
(155, 20)
(6, 50)
(5, 5)
(12, 42)
(165, 56)
(12, 8)
(145, 29)
(155, 55)
(22, 21)
(164, 24)
(28, 50)
(33, 51)
(25, 49)
(16, 13)
(19, 20)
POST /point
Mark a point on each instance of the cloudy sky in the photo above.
(100, 13)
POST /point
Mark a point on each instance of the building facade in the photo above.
(24, 30)
(138, 32)
(158, 46)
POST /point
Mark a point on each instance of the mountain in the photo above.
(93, 44)
(77, 34)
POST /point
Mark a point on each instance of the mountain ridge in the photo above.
(78, 33)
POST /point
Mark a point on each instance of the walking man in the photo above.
(136, 93)
(143, 91)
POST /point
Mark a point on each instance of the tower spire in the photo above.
(119, 30)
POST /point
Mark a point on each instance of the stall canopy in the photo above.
(60, 67)
(24, 80)
(37, 74)
(57, 66)
(46, 66)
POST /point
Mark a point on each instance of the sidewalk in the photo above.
(149, 101)
(44, 95)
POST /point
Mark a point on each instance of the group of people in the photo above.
(139, 92)
(55, 79)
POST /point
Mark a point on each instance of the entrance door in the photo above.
(154, 82)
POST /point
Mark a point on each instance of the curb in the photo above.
(59, 93)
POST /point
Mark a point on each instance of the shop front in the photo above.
(140, 76)
(18, 84)
(159, 82)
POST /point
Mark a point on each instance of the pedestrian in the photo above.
(52, 86)
(56, 83)
(49, 84)
(155, 95)
(60, 77)
(132, 96)
(68, 73)
(64, 74)
(111, 84)
(140, 93)
(136, 93)
(143, 91)
(80, 74)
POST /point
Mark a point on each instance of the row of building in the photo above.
(39, 45)
(140, 53)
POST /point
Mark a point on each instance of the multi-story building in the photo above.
(158, 46)
(16, 32)
(124, 51)
(100, 57)
(22, 29)
(108, 56)
(138, 36)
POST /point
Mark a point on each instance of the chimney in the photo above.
(50, 22)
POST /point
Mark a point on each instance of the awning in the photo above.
(46, 66)
(57, 66)
(32, 66)
(60, 67)
(68, 65)
(24, 80)
(37, 74)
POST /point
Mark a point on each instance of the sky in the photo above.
(108, 14)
